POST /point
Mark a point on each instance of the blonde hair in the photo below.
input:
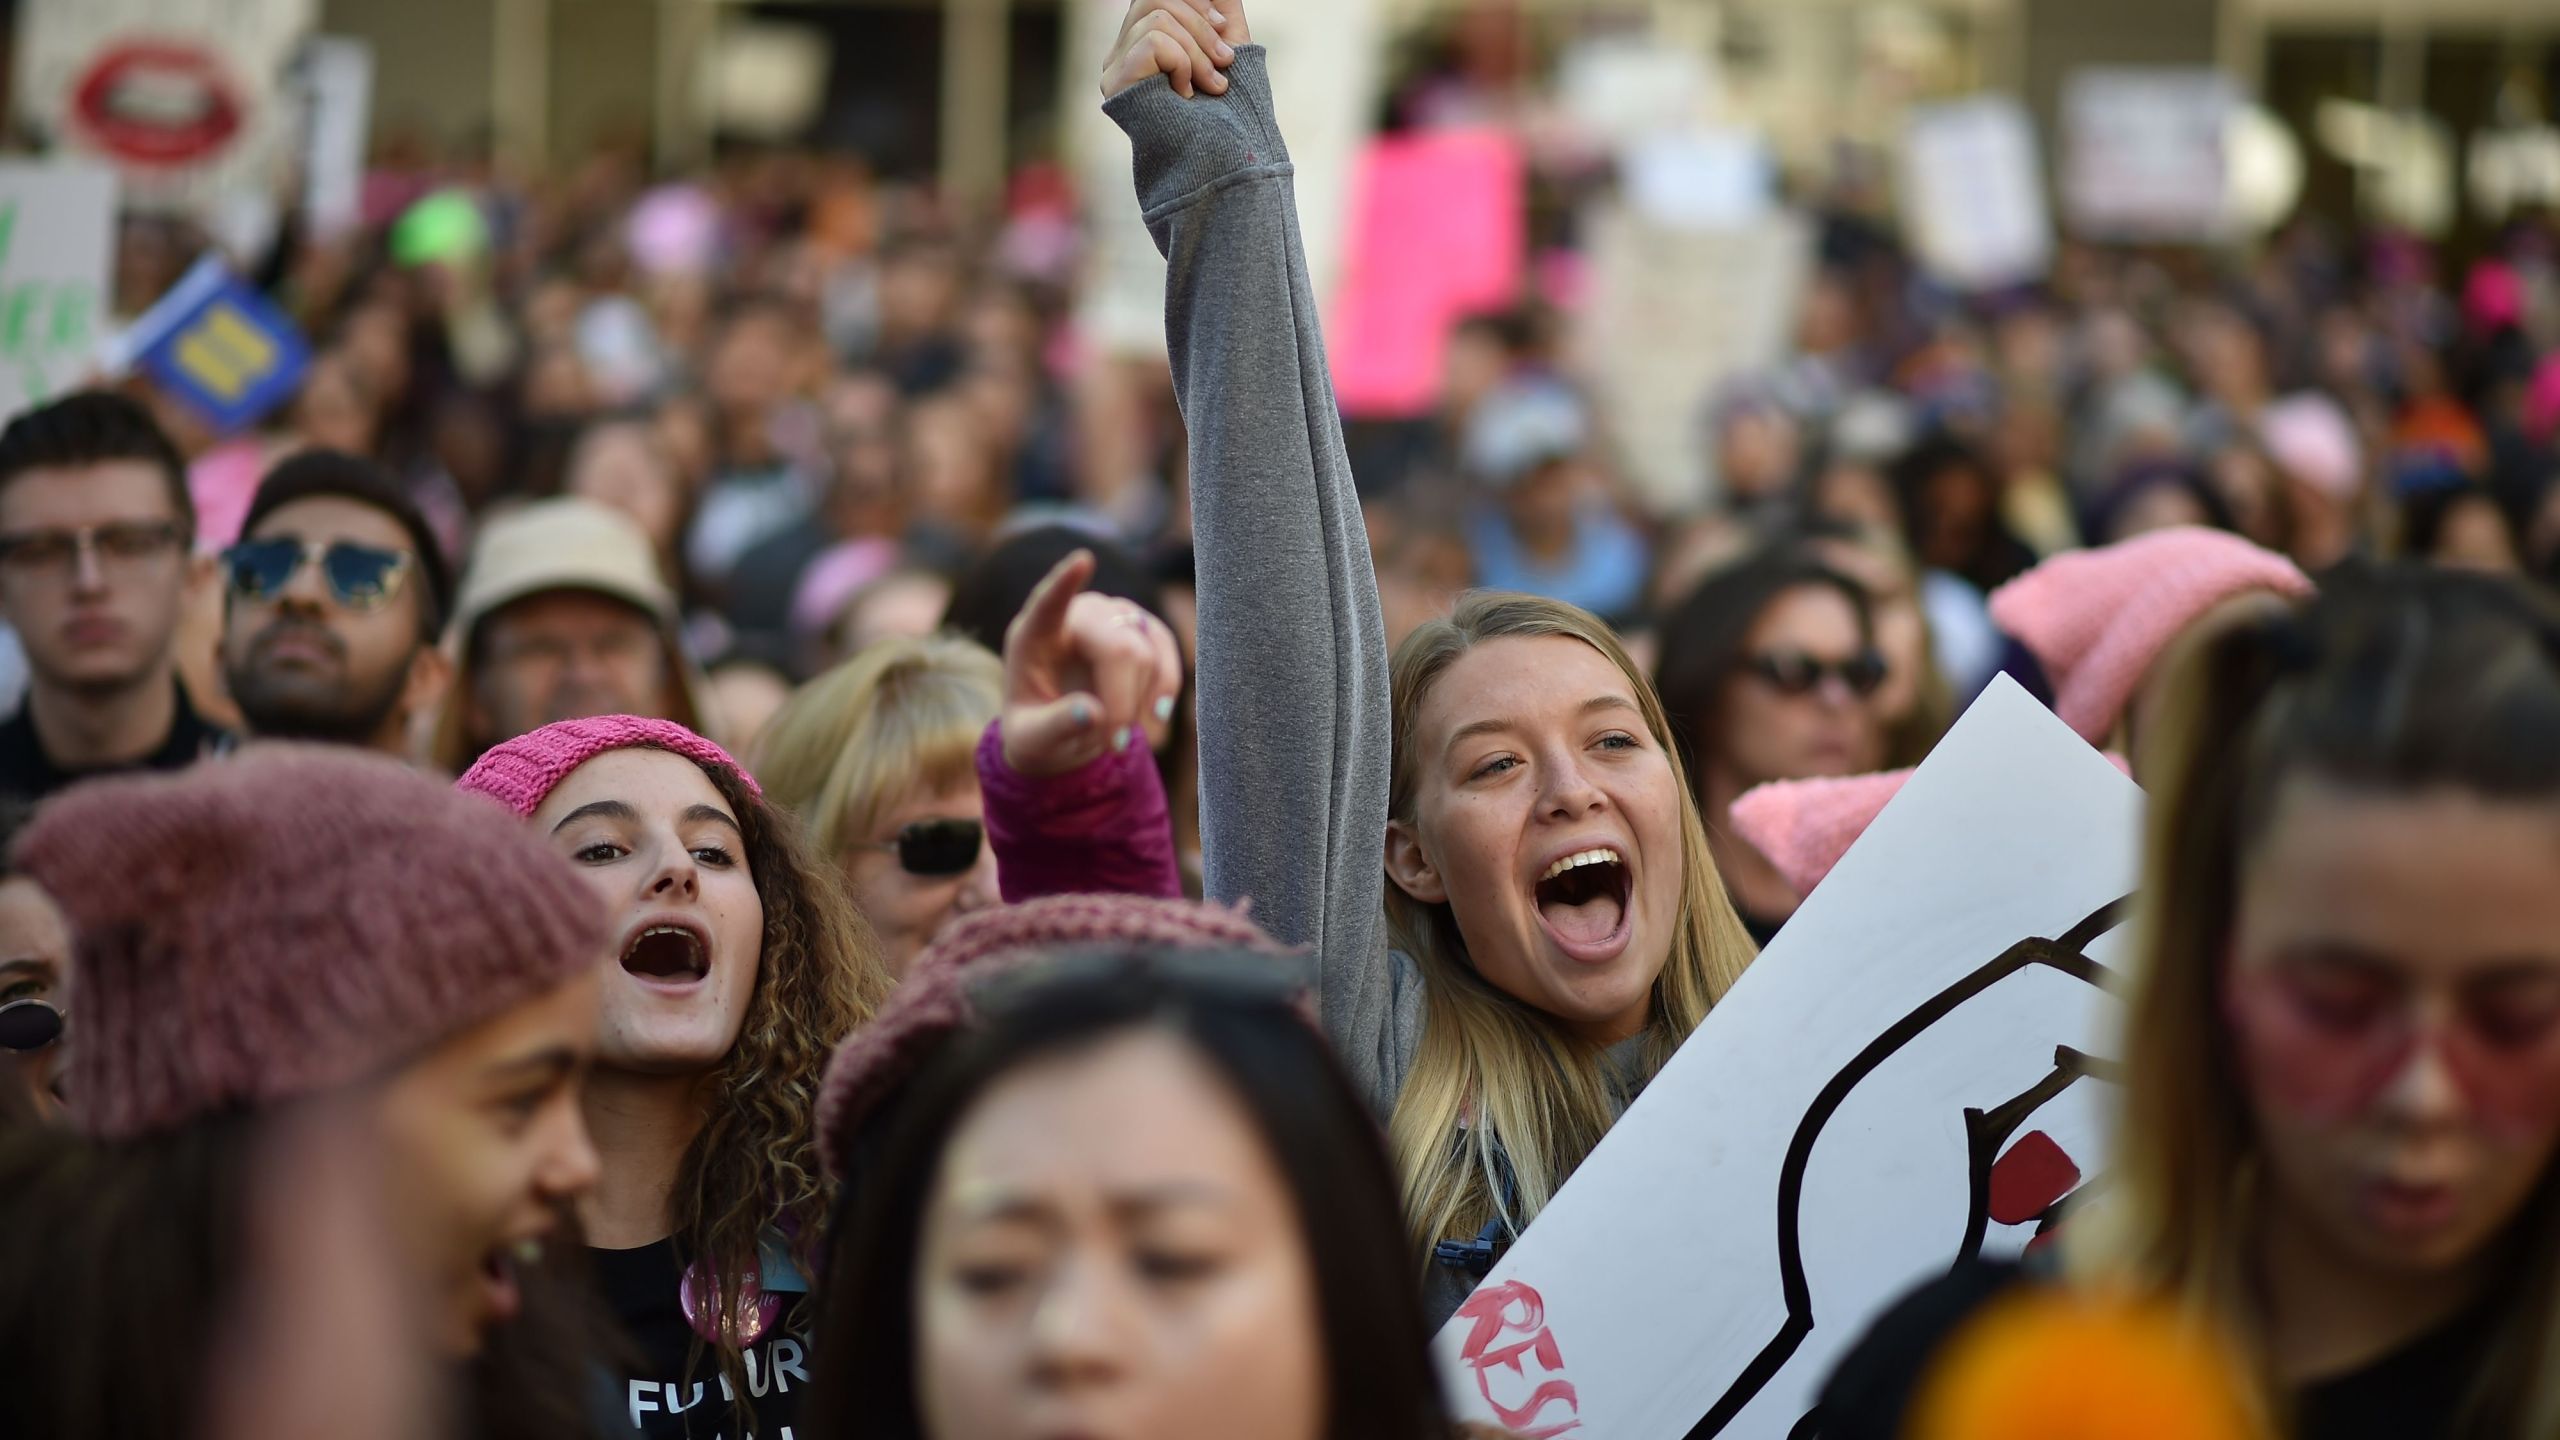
(1503, 1100)
(2385, 685)
(904, 712)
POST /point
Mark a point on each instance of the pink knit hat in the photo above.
(2097, 619)
(521, 773)
(933, 1000)
(1805, 826)
(288, 922)
(2315, 443)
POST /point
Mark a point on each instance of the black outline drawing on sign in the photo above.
(1984, 1129)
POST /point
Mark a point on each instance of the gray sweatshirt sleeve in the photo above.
(1294, 718)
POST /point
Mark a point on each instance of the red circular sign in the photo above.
(157, 103)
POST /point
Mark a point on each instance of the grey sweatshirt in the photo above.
(1295, 727)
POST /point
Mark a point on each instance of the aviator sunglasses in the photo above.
(936, 847)
(361, 577)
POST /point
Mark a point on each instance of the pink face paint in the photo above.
(2320, 1046)
(2506, 1060)
(2324, 1044)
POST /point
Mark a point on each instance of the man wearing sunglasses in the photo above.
(335, 595)
(95, 525)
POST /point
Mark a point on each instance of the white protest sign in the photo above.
(1973, 193)
(1673, 312)
(2145, 153)
(57, 243)
(337, 84)
(1916, 1070)
(186, 98)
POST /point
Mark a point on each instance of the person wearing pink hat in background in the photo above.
(2099, 622)
(734, 964)
(398, 965)
(2321, 463)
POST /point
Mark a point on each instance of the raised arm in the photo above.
(1294, 717)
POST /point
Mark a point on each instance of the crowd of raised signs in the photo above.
(727, 828)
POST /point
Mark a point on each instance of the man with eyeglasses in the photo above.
(95, 525)
(335, 596)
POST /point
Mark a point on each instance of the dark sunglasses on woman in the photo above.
(1793, 672)
(361, 577)
(937, 848)
(29, 1025)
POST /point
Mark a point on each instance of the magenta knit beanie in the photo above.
(2097, 619)
(521, 773)
(286, 922)
(934, 1000)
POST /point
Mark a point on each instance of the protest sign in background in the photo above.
(2145, 153)
(1674, 311)
(1973, 193)
(185, 98)
(1915, 1070)
(57, 244)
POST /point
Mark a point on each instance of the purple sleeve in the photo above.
(1103, 828)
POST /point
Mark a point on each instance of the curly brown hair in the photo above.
(754, 1164)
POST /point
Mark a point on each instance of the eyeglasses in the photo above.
(361, 577)
(1793, 672)
(936, 847)
(29, 1025)
(123, 543)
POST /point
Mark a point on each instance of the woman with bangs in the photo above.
(942, 780)
(2342, 1058)
(1555, 927)
(876, 758)
(736, 965)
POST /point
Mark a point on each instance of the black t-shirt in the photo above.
(2412, 1393)
(667, 1399)
(27, 773)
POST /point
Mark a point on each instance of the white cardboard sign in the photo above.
(57, 242)
(2145, 153)
(1916, 1070)
(1973, 192)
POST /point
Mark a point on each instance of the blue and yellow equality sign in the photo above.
(219, 345)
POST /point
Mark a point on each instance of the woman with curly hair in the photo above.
(737, 963)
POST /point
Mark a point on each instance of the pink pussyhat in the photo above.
(1805, 826)
(2314, 442)
(521, 773)
(2098, 619)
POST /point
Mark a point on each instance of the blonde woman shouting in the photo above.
(1554, 927)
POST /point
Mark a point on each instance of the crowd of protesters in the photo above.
(725, 828)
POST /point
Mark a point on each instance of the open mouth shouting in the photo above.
(1582, 900)
(667, 952)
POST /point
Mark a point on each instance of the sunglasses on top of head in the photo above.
(1793, 672)
(360, 577)
(936, 848)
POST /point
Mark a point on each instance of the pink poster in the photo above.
(1437, 233)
